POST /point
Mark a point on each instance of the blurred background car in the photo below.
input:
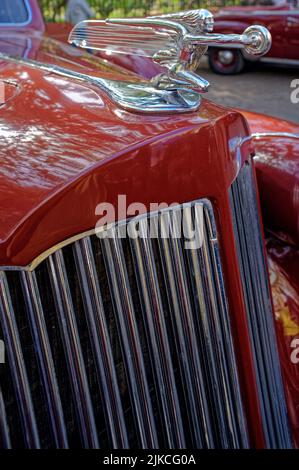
(280, 17)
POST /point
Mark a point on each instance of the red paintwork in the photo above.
(282, 22)
(65, 147)
(277, 164)
(284, 268)
(58, 31)
(262, 123)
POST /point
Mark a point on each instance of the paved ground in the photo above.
(260, 88)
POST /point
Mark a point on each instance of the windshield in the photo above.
(14, 12)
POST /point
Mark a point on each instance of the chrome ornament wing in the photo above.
(162, 38)
(145, 37)
(177, 42)
(111, 36)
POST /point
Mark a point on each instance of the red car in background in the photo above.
(282, 20)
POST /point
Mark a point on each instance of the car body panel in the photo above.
(292, 34)
(277, 166)
(283, 261)
(261, 123)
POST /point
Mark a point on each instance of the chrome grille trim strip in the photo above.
(45, 358)
(212, 311)
(128, 331)
(158, 336)
(17, 365)
(257, 296)
(179, 299)
(4, 428)
(95, 315)
(73, 351)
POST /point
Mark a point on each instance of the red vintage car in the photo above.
(282, 20)
(143, 303)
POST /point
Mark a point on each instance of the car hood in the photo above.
(56, 132)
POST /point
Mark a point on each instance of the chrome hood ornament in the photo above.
(177, 42)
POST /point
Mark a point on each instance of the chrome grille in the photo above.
(259, 309)
(17, 364)
(129, 338)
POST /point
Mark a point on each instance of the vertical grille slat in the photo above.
(128, 331)
(17, 365)
(95, 314)
(5, 442)
(179, 298)
(158, 335)
(46, 363)
(74, 356)
(259, 309)
(212, 313)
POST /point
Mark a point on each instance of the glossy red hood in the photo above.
(65, 147)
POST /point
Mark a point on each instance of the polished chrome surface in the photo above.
(152, 306)
(209, 293)
(154, 367)
(17, 364)
(168, 39)
(142, 97)
(95, 315)
(128, 332)
(262, 135)
(175, 277)
(41, 339)
(260, 40)
(207, 297)
(159, 37)
(259, 309)
(177, 42)
(73, 351)
(197, 21)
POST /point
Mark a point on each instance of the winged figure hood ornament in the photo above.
(177, 42)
